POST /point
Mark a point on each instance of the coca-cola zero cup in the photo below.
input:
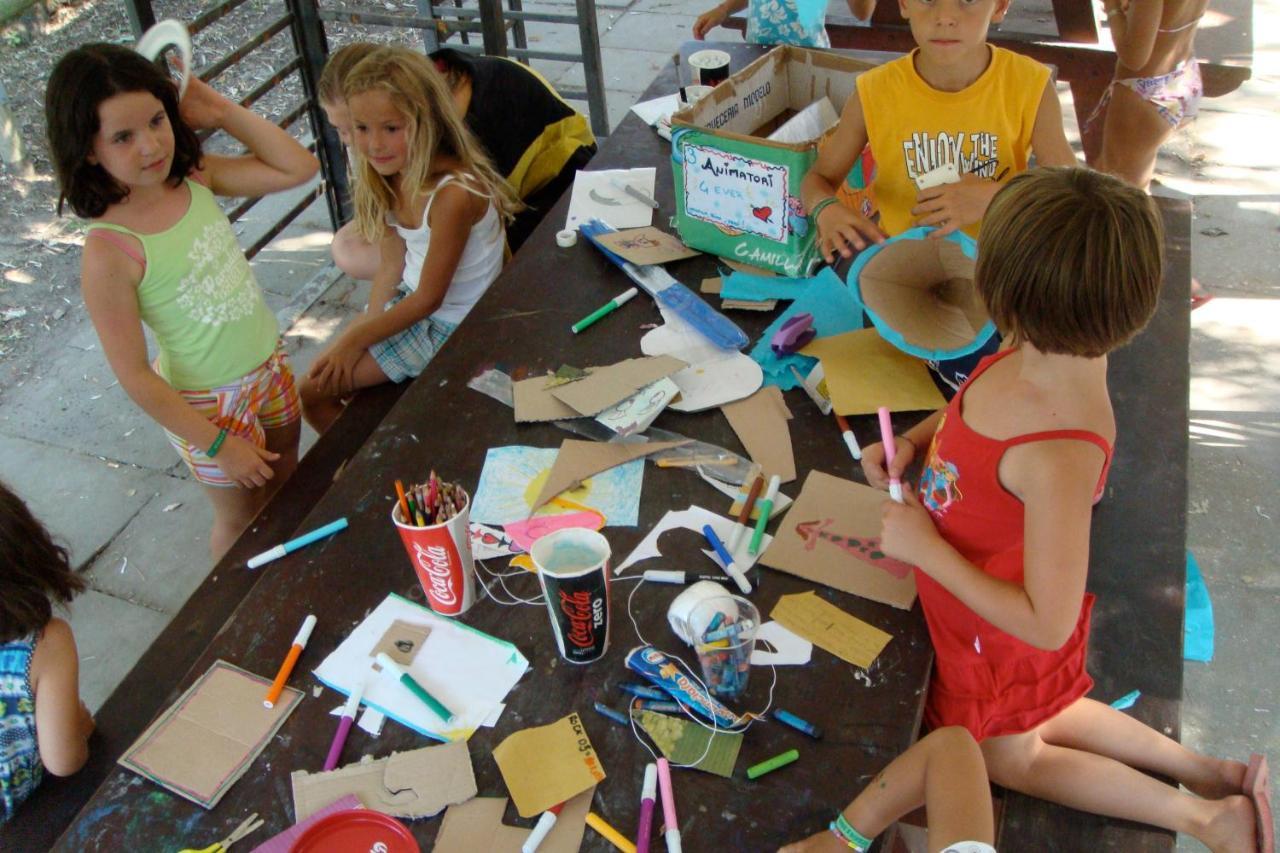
(573, 569)
(441, 557)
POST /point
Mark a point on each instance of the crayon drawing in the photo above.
(513, 478)
(865, 548)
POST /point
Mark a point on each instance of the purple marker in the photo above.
(344, 726)
(647, 794)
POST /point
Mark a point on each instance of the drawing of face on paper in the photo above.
(513, 478)
(736, 193)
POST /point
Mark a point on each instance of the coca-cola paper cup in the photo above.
(573, 569)
(441, 557)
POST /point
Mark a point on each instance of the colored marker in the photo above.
(299, 643)
(605, 711)
(617, 839)
(608, 308)
(541, 828)
(730, 567)
(671, 825)
(647, 793)
(344, 726)
(758, 770)
(766, 510)
(301, 542)
(388, 665)
(668, 576)
(890, 449)
(744, 517)
(849, 439)
(644, 691)
(787, 718)
(662, 707)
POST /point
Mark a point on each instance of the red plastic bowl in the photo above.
(356, 831)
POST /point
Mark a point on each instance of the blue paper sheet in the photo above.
(1197, 639)
(834, 311)
(758, 288)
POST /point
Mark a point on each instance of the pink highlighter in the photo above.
(890, 448)
(670, 823)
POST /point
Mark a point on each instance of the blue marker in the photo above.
(643, 691)
(796, 723)
(301, 542)
(730, 567)
(605, 711)
(667, 707)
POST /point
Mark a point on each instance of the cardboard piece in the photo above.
(831, 535)
(714, 376)
(864, 372)
(638, 412)
(761, 424)
(533, 401)
(283, 842)
(683, 741)
(577, 460)
(418, 783)
(790, 648)
(645, 246)
(610, 385)
(693, 519)
(828, 627)
(546, 765)
(206, 740)
(748, 304)
(712, 285)
(466, 669)
(402, 642)
(746, 268)
(476, 825)
(594, 196)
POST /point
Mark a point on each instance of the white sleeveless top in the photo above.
(479, 265)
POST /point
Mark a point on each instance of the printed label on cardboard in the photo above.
(736, 192)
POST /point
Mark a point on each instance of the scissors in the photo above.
(250, 824)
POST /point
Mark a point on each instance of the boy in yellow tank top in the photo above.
(947, 125)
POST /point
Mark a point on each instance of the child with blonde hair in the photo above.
(428, 196)
(1069, 268)
(160, 251)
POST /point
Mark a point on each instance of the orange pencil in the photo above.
(404, 503)
(299, 643)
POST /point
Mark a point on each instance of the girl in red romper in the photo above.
(1069, 268)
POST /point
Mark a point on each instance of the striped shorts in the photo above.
(265, 398)
(405, 354)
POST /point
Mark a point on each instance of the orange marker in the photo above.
(404, 503)
(299, 643)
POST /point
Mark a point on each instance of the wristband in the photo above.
(821, 206)
(217, 443)
(846, 833)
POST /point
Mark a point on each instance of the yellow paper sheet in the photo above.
(865, 372)
(546, 765)
(825, 625)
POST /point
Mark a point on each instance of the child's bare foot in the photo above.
(1233, 827)
(1223, 781)
(819, 842)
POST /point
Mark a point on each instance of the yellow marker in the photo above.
(617, 839)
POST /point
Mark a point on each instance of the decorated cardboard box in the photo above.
(737, 192)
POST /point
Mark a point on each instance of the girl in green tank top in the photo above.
(160, 252)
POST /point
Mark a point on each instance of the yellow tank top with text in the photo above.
(913, 128)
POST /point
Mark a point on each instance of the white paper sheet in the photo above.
(635, 414)
(652, 111)
(596, 197)
(810, 123)
(780, 503)
(469, 671)
(714, 376)
(791, 648)
(692, 519)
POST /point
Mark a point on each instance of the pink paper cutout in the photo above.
(865, 548)
(524, 533)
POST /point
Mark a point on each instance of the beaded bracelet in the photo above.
(217, 443)
(821, 206)
(845, 832)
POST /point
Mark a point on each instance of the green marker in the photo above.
(609, 307)
(758, 770)
(766, 510)
(413, 687)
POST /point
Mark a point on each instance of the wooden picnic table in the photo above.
(439, 423)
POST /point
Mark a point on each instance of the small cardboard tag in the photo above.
(401, 642)
(646, 246)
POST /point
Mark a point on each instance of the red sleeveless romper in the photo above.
(988, 681)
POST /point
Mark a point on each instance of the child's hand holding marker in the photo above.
(907, 532)
(877, 470)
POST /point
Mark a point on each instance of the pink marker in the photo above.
(671, 826)
(647, 792)
(890, 448)
(344, 726)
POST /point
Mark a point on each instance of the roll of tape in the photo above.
(566, 238)
(681, 609)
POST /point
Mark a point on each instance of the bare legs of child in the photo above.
(321, 407)
(944, 772)
(353, 254)
(235, 507)
(1131, 136)
(1085, 758)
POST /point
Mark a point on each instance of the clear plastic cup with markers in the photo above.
(724, 631)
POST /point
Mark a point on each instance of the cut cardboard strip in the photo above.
(608, 386)
(828, 627)
(831, 535)
(546, 765)
(418, 783)
(865, 372)
(761, 424)
(533, 401)
(477, 825)
(578, 460)
(646, 246)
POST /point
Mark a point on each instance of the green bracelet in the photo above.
(821, 206)
(217, 443)
(846, 833)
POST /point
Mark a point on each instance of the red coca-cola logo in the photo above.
(435, 563)
(576, 606)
